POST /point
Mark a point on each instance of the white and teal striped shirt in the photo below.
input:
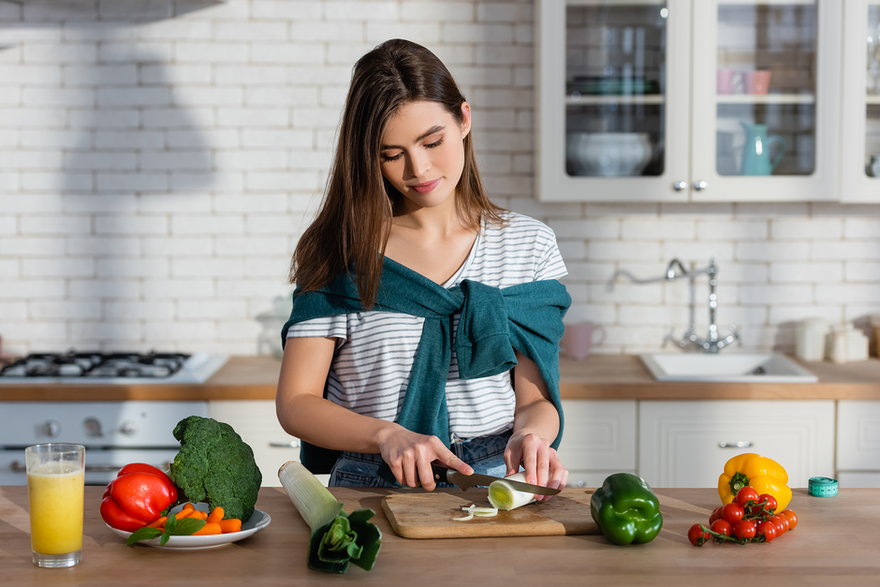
(375, 351)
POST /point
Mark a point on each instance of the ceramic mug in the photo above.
(757, 82)
(579, 338)
(729, 81)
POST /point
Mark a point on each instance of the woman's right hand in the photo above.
(409, 456)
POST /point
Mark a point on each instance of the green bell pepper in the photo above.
(626, 510)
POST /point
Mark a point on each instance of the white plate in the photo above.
(257, 522)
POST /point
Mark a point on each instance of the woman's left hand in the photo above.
(540, 461)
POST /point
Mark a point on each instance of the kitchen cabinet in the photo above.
(685, 444)
(858, 443)
(860, 155)
(599, 439)
(256, 423)
(688, 100)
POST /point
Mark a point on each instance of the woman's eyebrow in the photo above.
(434, 129)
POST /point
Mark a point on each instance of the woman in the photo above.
(426, 320)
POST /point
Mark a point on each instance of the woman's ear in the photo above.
(465, 119)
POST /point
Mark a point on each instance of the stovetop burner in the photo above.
(112, 367)
(96, 365)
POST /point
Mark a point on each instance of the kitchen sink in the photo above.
(733, 367)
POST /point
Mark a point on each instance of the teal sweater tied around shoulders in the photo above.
(494, 323)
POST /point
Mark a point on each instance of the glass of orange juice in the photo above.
(56, 478)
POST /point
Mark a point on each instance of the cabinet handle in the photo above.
(701, 185)
(680, 186)
(285, 444)
(736, 444)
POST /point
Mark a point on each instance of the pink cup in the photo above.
(758, 81)
(579, 338)
(729, 81)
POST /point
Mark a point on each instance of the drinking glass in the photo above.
(56, 480)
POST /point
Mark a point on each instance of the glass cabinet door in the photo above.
(872, 93)
(615, 65)
(860, 93)
(764, 99)
(613, 88)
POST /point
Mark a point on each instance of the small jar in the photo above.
(838, 343)
(810, 339)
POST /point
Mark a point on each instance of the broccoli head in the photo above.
(216, 466)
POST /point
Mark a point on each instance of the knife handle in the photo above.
(441, 473)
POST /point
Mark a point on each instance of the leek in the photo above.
(337, 538)
(505, 497)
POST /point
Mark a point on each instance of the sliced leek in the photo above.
(505, 497)
(474, 510)
(337, 538)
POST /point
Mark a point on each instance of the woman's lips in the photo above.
(424, 188)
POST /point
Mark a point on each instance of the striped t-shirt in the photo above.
(375, 351)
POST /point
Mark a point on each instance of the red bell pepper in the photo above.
(137, 496)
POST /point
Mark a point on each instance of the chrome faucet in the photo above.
(713, 342)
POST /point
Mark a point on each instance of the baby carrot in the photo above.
(185, 513)
(230, 525)
(216, 514)
(199, 515)
(158, 522)
(209, 528)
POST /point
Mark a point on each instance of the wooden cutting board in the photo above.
(429, 515)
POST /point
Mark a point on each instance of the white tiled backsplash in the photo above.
(158, 161)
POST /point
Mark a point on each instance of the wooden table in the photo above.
(835, 543)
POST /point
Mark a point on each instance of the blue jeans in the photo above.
(485, 454)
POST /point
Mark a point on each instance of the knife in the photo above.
(465, 482)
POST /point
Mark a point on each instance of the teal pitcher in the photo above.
(761, 154)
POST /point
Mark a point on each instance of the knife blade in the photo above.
(465, 482)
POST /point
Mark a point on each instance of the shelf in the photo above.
(606, 99)
(766, 99)
(873, 100)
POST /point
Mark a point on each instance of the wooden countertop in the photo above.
(834, 543)
(599, 377)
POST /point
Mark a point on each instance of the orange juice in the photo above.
(55, 494)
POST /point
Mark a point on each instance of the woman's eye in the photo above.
(392, 157)
(436, 143)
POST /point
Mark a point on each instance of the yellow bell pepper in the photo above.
(763, 474)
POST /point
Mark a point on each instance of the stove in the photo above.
(97, 368)
(114, 433)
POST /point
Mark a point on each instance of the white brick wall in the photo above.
(156, 170)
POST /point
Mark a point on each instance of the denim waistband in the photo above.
(485, 454)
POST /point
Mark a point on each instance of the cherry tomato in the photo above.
(743, 529)
(697, 535)
(745, 495)
(721, 526)
(732, 512)
(781, 523)
(768, 501)
(716, 514)
(791, 517)
(767, 529)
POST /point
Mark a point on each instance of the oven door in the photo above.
(102, 463)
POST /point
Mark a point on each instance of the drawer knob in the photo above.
(736, 444)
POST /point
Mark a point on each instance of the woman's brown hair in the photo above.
(351, 228)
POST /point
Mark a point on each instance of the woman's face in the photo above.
(422, 152)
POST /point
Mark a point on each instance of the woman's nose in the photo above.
(419, 164)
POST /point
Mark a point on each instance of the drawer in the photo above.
(599, 435)
(858, 435)
(687, 443)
